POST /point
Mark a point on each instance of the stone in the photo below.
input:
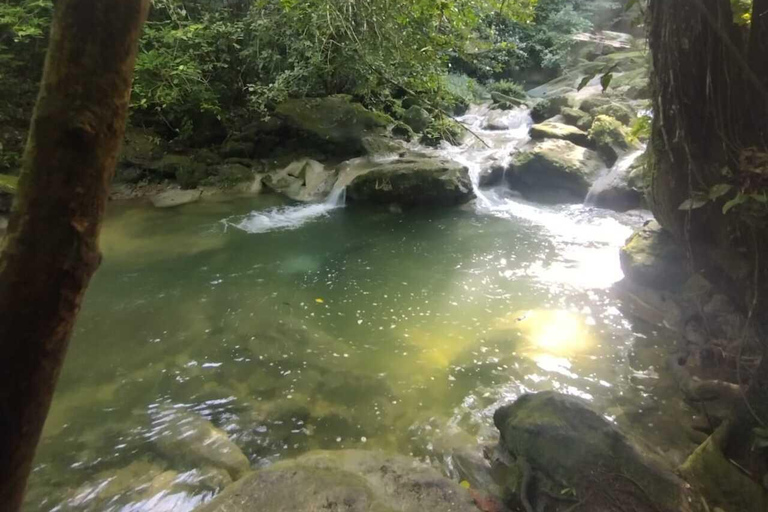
(236, 149)
(588, 105)
(496, 120)
(610, 137)
(173, 198)
(548, 108)
(304, 180)
(577, 118)
(345, 480)
(188, 437)
(334, 123)
(553, 130)
(652, 258)
(554, 171)
(560, 436)
(621, 113)
(412, 181)
(417, 118)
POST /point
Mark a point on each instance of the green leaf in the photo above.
(736, 201)
(585, 81)
(693, 203)
(719, 190)
(605, 80)
(760, 198)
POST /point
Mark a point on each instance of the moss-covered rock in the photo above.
(417, 118)
(412, 181)
(652, 258)
(591, 103)
(620, 112)
(576, 117)
(552, 130)
(561, 437)
(549, 107)
(610, 137)
(554, 171)
(335, 123)
(345, 480)
(9, 184)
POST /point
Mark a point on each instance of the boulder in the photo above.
(591, 103)
(8, 188)
(553, 130)
(554, 171)
(335, 123)
(346, 480)
(621, 189)
(417, 118)
(652, 258)
(549, 107)
(577, 118)
(571, 446)
(184, 436)
(621, 113)
(173, 198)
(304, 180)
(610, 137)
(413, 181)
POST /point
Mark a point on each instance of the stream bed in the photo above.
(343, 327)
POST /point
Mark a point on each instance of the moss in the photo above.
(608, 132)
(9, 184)
(577, 118)
(617, 111)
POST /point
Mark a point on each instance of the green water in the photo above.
(360, 328)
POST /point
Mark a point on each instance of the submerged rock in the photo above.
(413, 181)
(561, 440)
(187, 437)
(173, 198)
(553, 130)
(653, 258)
(347, 480)
(555, 171)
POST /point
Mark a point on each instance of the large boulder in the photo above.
(417, 118)
(610, 137)
(560, 438)
(8, 187)
(576, 117)
(554, 171)
(553, 130)
(304, 180)
(621, 189)
(335, 123)
(652, 258)
(413, 181)
(346, 480)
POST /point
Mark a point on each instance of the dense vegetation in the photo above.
(217, 63)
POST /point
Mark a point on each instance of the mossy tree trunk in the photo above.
(710, 87)
(51, 249)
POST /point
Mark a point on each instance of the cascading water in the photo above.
(612, 175)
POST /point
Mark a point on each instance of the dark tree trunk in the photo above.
(51, 250)
(710, 106)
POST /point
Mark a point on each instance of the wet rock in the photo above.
(412, 181)
(592, 103)
(561, 438)
(653, 258)
(417, 118)
(173, 198)
(335, 123)
(621, 113)
(577, 118)
(553, 130)
(548, 108)
(554, 170)
(347, 480)
(497, 120)
(304, 180)
(610, 137)
(187, 437)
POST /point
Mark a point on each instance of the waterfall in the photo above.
(612, 175)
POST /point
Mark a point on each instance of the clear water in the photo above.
(355, 328)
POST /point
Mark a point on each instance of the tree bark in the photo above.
(51, 248)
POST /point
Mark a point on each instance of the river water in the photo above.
(322, 327)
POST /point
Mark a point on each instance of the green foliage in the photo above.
(508, 88)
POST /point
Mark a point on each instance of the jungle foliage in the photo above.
(220, 61)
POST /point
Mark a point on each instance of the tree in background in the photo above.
(710, 189)
(50, 251)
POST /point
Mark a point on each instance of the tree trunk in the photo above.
(51, 248)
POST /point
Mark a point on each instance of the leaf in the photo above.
(465, 484)
(585, 81)
(719, 190)
(760, 198)
(693, 203)
(736, 201)
(605, 80)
